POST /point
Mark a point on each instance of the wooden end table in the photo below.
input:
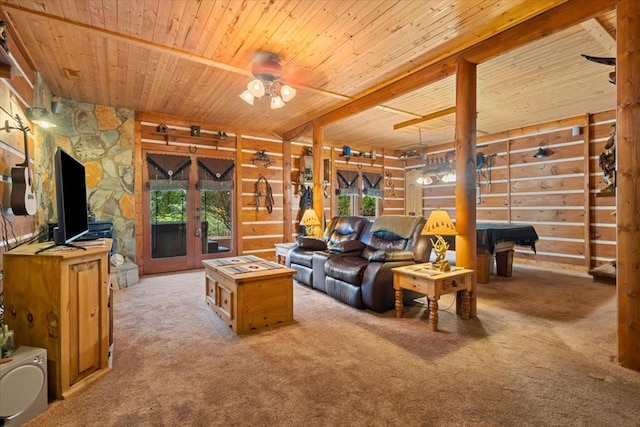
(425, 279)
(281, 251)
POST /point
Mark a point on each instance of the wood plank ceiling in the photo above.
(193, 58)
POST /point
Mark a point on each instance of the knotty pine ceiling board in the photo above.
(542, 81)
(347, 48)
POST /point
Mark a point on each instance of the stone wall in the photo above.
(102, 138)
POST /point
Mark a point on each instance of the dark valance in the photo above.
(215, 174)
(168, 172)
(348, 184)
(371, 184)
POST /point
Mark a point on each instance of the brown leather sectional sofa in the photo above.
(357, 270)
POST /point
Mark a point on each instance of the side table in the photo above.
(425, 279)
(281, 251)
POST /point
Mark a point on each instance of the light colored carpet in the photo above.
(541, 352)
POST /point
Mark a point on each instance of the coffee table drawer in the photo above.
(224, 300)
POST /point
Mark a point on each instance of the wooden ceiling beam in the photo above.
(431, 116)
(601, 35)
(565, 15)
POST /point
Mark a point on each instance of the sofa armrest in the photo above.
(347, 246)
(311, 243)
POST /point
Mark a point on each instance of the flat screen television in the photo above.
(71, 198)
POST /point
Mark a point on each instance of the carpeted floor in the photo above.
(541, 352)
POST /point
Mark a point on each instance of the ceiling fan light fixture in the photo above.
(267, 70)
(287, 93)
(247, 97)
(276, 102)
(256, 88)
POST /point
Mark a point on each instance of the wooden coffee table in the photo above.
(423, 278)
(249, 293)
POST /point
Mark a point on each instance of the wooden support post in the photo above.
(318, 170)
(628, 183)
(465, 146)
(287, 192)
(238, 190)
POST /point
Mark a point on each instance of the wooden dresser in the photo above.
(58, 300)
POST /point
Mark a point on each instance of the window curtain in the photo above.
(215, 174)
(168, 172)
(371, 184)
(348, 184)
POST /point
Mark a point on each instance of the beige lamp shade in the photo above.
(439, 223)
(310, 218)
(311, 223)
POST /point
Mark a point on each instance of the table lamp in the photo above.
(311, 222)
(439, 224)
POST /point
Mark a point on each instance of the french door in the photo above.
(188, 210)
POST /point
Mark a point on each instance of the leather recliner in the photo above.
(364, 280)
(339, 229)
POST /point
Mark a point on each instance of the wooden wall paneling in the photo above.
(587, 198)
(288, 189)
(318, 167)
(252, 168)
(298, 149)
(498, 214)
(549, 184)
(333, 181)
(508, 197)
(604, 233)
(555, 199)
(542, 214)
(327, 194)
(394, 185)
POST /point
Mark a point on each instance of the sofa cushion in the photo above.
(347, 246)
(346, 268)
(384, 255)
(401, 225)
(311, 243)
(378, 242)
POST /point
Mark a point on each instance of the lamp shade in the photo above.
(256, 88)
(247, 97)
(310, 218)
(449, 177)
(439, 223)
(276, 102)
(287, 93)
(424, 180)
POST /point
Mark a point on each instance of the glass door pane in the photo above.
(168, 223)
(216, 219)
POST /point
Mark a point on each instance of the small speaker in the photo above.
(23, 386)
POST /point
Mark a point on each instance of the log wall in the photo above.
(257, 229)
(560, 195)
